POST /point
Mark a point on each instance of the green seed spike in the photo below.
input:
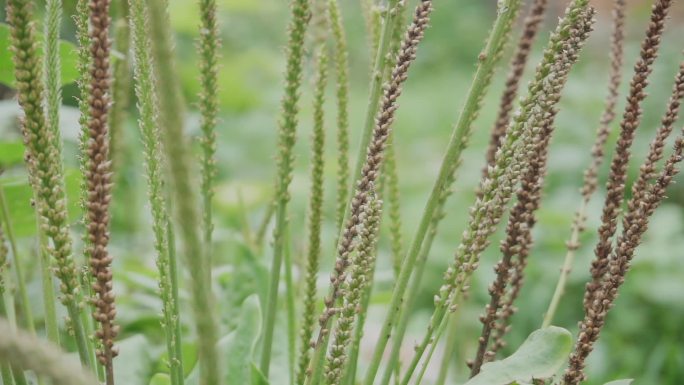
(285, 158)
(208, 47)
(44, 161)
(341, 59)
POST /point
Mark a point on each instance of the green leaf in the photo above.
(540, 356)
(134, 362)
(67, 53)
(258, 377)
(160, 379)
(241, 351)
(626, 381)
(11, 154)
(19, 195)
(237, 348)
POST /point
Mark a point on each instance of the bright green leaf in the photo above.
(237, 348)
(19, 195)
(241, 350)
(627, 381)
(132, 366)
(540, 356)
(67, 54)
(160, 379)
(11, 154)
(258, 377)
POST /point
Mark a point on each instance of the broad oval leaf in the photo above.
(626, 381)
(540, 356)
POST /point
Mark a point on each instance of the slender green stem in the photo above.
(285, 158)
(208, 46)
(291, 312)
(24, 302)
(315, 211)
(162, 226)
(341, 60)
(412, 293)
(49, 297)
(443, 326)
(450, 348)
(88, 319)
(291, 317)
(565, 270)
(18, 376)
(488, 60)
(180, 167)
(176, 356)
(263, 225)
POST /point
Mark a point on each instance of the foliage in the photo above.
(228, 94)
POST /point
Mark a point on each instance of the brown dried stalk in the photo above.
(99, 185)
(628, 125)
(375, 154)
(521, 220)
(647, 172)
(646, 196)
(635, 224)
(597, 155)
(532, 22)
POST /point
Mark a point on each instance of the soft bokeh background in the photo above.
(644, 335)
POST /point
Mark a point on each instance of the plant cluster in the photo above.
(127, 48)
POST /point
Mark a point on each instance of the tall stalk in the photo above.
(99, 185)
(286, 139)
(341, 60)
(24, 303)
(23, 350)
(377, 79)
(180, 166)
(5, 370)
(161, 223)
(44, 162)
(370, 172)
(590, 183)
(121, 84)
(360, 279)
(315, 211)
(496, 188)
(457, 143)
(208, 46)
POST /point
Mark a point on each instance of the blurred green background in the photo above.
(644, 335)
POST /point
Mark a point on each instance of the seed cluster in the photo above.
(98, 177)
(518, 239)
(375, 154)
(628, 125)
(362, 264)
(532, 22)
(315, 214)
(497, 188)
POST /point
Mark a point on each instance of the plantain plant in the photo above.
(238, 309)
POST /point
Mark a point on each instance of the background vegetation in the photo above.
(645, 334)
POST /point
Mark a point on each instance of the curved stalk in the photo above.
(458, 141)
